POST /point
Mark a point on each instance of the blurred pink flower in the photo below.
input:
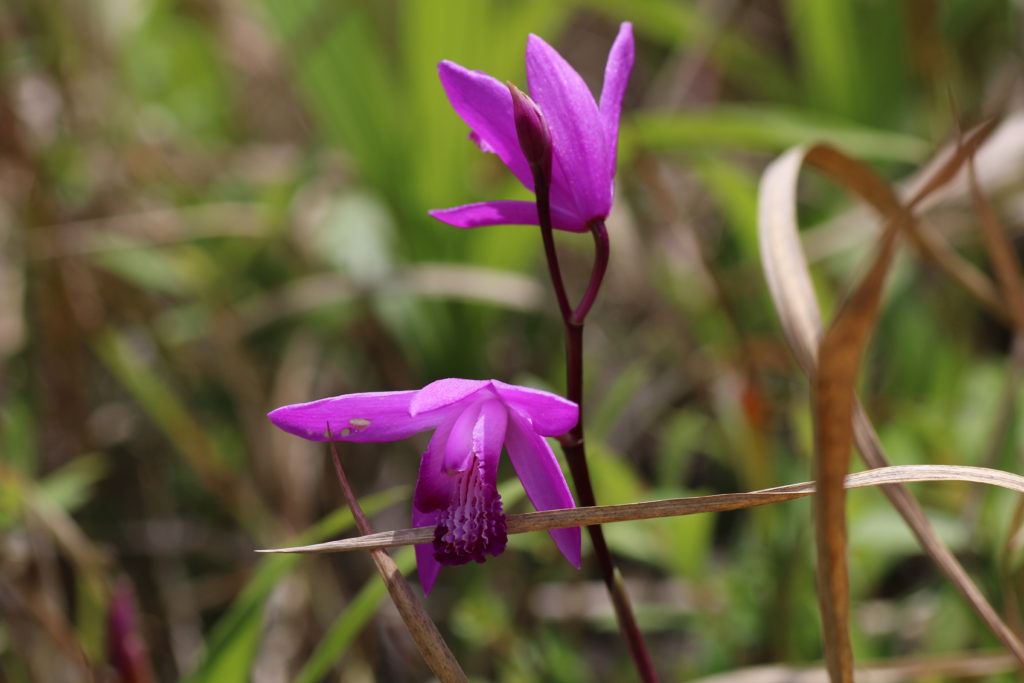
(126, 649)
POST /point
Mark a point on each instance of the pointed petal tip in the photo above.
(481, 214)
(427, 568)
(451, 217)
(534, 38)
(570, 544)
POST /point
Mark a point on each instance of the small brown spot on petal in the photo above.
(359, 423)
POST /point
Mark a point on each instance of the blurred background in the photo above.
(210, 208)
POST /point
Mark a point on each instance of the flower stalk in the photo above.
(535, 142)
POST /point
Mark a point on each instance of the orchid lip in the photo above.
(473, 525)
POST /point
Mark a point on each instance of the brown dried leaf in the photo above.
(1000, 251)
(839, 357)
(792, 291)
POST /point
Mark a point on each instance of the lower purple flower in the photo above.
(456, 489)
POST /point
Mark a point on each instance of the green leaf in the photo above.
(688, 26)
(350, 622)
(767, 129)
(827, 43)
(71, 486)
(232, 643)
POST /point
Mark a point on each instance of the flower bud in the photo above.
(532, 129)
(125, 646)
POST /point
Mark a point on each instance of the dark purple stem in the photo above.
(547, 234)
(572, 443)
(601, 253)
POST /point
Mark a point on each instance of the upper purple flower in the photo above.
(584, 134)
(456, 489)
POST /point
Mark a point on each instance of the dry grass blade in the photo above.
(789, 282)
(1008, 273)
(921, 192)
(1000, 251)
(678, 507)
(424, 632)
(839, 358)
(967, 665)
(931, 245)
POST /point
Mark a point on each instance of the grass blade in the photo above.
(679, 507)
(236, 634)
(349, 624)
(767, 128)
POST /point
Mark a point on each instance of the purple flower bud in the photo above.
(532, 129)
(125, 646)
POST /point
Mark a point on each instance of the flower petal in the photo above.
(434, 485)
(616, 77)
(376, 416)
(479, 433)
(444, 392)
(485, 104)
(427, 567)
(488, 213)
(550, 415)
(506, 212)
(543, 480)
(489, 437)
(581, 151)
(462, 444)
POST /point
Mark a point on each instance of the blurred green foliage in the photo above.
(209, 208)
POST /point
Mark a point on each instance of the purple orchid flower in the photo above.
(584, 134)
(456, 491)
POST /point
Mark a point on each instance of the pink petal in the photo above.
(427, 567)
(478, 432)
(485, 105)
(488, 213)
(489, 437)
(443, 393)
(377, 416)
(616, 78)
(543, 480)
(550, 415)
(577, 131)
(462, 443)
(434, 485)
(506, 212)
